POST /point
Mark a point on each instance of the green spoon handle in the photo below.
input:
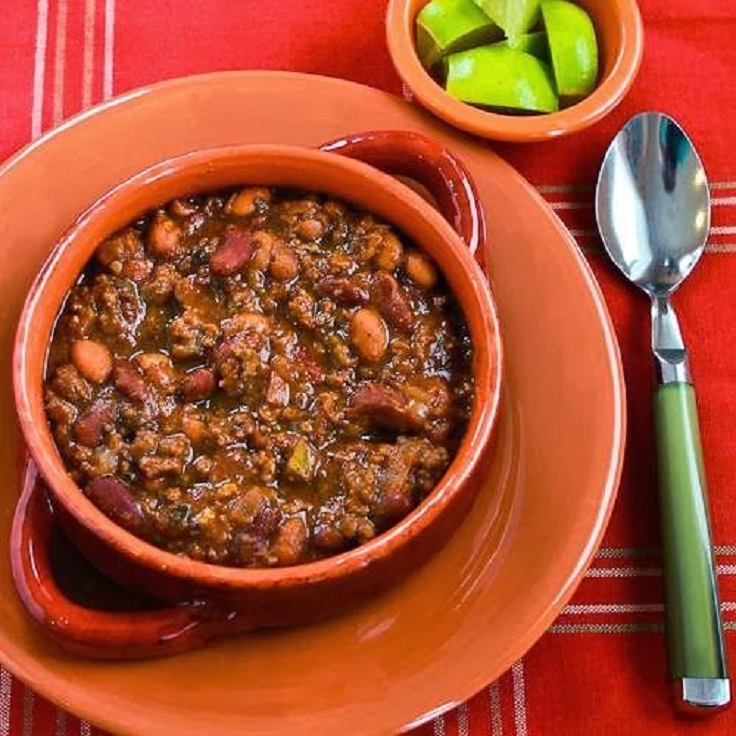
(694, 632)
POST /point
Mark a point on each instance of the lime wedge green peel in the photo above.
(530, 43)
(501, 78)
(573, 48)
(513, 16)
(447, 26)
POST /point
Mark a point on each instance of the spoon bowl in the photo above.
(653, 203)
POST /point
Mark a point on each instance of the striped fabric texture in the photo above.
(601, 669)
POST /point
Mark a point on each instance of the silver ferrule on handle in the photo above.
(668, 347)
(702, 695)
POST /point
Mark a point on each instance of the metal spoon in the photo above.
(653, 212)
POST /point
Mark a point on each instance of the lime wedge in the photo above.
(531, 43)
(446, 26)
(501, 77)
(573, 48)
(514, 16)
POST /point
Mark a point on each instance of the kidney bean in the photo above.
(92, 359)
(327, 538)
(90, 427)
(342, 290)
(368, 334)
(392, 302)
(390, 507)
(232, 254)
(116, 501)
(163, 237)
(130, 383)
(198, 384)
(386, 407)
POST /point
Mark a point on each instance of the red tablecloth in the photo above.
(601, 668)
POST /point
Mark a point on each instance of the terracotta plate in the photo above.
(481, 603)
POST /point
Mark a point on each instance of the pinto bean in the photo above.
(163, 237)
(115, 499)
(198, 384)
(118, 249)
(389, 252)
(245, 201)
(159, 370)
(130, 383)
(232, 253)
(264, 243)
(92, 359)
(342, 290)
(291, 542)
(310, 229)
(420, 269)
(368, 334)
(182, 207)
(90, 427)
(386, 407)
(392, 302)
(284, 263)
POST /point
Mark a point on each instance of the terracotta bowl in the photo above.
(621, 42)
(210, 600)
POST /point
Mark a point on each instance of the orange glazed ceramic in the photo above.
(620, 40)
(477, 605)
(212, 600)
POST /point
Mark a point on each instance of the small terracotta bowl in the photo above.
(209, 600)
(621, 42)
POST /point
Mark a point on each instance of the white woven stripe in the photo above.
(39, 67)
(564, 205)
(109, 49)
(580, 188)
(563, 188)
(643, 572)
(517, 676)
(494, 706)
(623, 572)
(622, 552)
(60, 725)
(463, 720)
(6, 691)
(722, 201)
(582, 609)
(605, 628)
(720, 248)
(88, 60)
(57, 110)
(29, 702)
(85, 728)
(438, 726)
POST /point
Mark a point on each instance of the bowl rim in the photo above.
(518, 129)
(487, 365)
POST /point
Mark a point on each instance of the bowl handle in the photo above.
(94, 633)
(409, 154)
